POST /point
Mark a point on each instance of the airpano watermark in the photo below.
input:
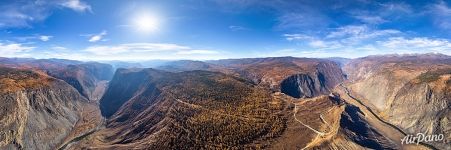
(421, 137)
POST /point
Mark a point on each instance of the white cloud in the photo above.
(370, 19)
(361, 40)
(155, 46)
(14, 49)
(127, 52)
(360, 32)
(97, 37)
(318, 44)
(135, 48)
(350, 30)
(394, 45)
(237, 28)
(394, 9)
(346, 36)
(23, 13)
(45, 38)
(417, 43)
(76, 5)
(59, 48)
(307, 19)
(197, 51)
(324, 45)
(144, 51)
(356, 34)
(292, 37)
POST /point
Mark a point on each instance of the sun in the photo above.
(146, 23)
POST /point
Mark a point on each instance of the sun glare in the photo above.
(146, 23)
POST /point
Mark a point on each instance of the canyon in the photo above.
(253, 103)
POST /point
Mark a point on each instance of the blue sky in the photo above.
(216, 29)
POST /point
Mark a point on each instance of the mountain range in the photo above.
(370, 102)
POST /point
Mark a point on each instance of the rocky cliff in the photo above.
(409, 91)
(322, 81)
(36, 111)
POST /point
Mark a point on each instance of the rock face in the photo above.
(356, 128)
(126, 83)
(302, 85)
(411, 92)
(36, 111)
(320, 82)
(428, 104)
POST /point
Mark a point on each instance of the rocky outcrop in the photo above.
(327, 76)
(430, 103)
(36, 111)
(410, 92)
(355, 127)
(303, 85)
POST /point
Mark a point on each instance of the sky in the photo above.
(136, 30)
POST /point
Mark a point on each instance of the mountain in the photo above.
(153, 109)
(256, 103)
(411, 92)
(123, 64)
(37, 111)
(89, 78)
(339, 60)
(297, 77)
(187, 65)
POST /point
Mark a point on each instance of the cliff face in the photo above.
(302, 85)
(322, 81)
(125, 84)
(411, 92)
(428, 104)
(88, 78)
(36, 111)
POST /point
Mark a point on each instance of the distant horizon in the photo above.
(138, 61)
